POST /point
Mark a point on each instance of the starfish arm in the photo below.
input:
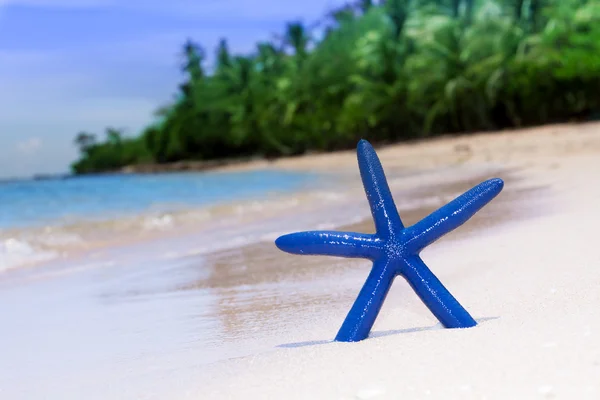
(435, 296)
(385, 215)
(331, 243)
(451, 216)
(362, 315)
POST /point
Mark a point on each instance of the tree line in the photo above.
(387, 70)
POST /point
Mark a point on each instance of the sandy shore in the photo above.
(531, 282)
(525, 147)
(161, 318)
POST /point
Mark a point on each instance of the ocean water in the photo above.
(41, 220)
(34, 203)
(181, 214)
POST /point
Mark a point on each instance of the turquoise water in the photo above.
(36, 203)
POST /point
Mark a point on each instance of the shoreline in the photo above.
(259, 220)
(188, 165)
(437, 159)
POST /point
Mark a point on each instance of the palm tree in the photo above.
(364, 6)
(84, 141)
(297, 38)
(114, 136)
(194, 56)
(398, 12)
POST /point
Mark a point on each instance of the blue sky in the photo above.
(71, 65)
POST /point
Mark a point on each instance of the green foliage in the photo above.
(388, 71)
(112, 154)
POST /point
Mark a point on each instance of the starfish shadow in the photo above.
(377, 334)
(421, 329)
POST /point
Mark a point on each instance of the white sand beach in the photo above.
(159, 318)
(532, 284)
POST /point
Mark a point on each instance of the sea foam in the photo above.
(15, 252)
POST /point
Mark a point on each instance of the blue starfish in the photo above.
(394, 249)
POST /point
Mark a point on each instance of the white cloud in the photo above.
(51, 127)
(29, 146)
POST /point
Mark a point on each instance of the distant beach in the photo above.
(186, 296)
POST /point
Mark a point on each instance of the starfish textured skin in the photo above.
(393, 249)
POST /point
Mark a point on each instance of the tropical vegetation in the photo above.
(388, 70)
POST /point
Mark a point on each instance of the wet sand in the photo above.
(161, 318)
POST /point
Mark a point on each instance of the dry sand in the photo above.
(532, 282)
